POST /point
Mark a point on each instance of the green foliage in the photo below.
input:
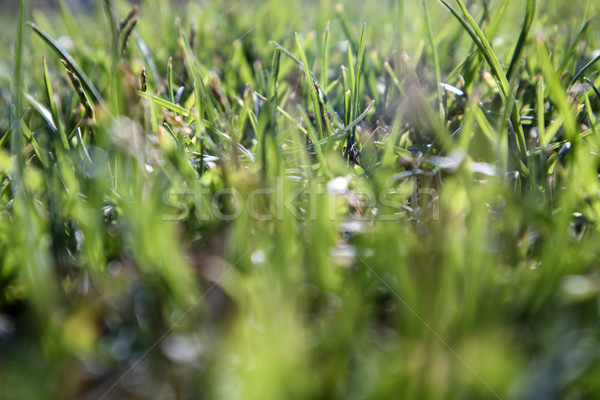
(257, 201)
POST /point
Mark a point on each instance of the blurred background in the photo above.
(477, 288)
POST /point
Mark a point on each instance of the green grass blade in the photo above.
(80, 92)
(530, 10)
(594, 87)
(37, 149)
(359, 66)
(399, 23)
(498, 17)
(43, 111)
(170, 79)
(557, 92)
(584, 69)
(17, 99)
(62, 54)
(502, 81)
(293, 58)
(165, 103)
(325, 57)
(347, 107)
(345, 27)
(204, 103)
(147, 54)
(352, 125)
(436, 60)
(49, 92)
(68, 19)
(311, 88)
(482, 43)
(114, 31)
(590, 114)
(313, 138)
(569, 54)
(273, 90)
(351, 72)
(540, 112)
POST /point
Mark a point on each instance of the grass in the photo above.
(244, 200)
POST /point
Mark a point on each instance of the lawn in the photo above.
(309, 200)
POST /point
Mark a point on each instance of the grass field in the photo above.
(252, 200)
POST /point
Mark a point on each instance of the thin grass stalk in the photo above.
(312, 89)
(584, 69)
(359, 66)
(170, 80)
(114, 31)
(571, 51)
(53, 107)
(72, 65)
(436, 60)
(467, 21)
(17, 100)
(530, 10)
(325, 57)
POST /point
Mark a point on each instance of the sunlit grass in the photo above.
(316, 200)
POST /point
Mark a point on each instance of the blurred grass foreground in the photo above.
(309, 200)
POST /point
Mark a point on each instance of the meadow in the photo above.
(309, 200)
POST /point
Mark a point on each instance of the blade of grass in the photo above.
(584, 69)
(149, 61)
(68, 19)
(114, 93)
(80, 92)
(345, 27)
(325, 57)
(204, 103)
(399, 24)
(594, 87)
(313, 138)
(311, 88)
(62, 54)
(482, 43)
(590, 115)
(540, 112)
(273, 90)
(37, 149)
(347, 107)
(164, 103)
(569, 54)
(502, 81)
(326, 101)
(352, 125)
(292, 57)
(114, 31)
(530, 10)
(436, 60)
(53, 107)
(347, 119)
(556, 92)
(5, 137)
(351, 74)
(43, 111)
(395, 79)
(17, 101)
(498, 17)
(170, 79)
(359, 65)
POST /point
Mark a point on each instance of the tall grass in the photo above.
(246, 200)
